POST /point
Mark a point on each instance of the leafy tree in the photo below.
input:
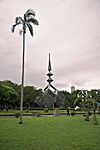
(26, 21)
(50, 99)
(73, 96)
(95, 97)
(17, 88)
(47, 99)
(30, 94)
(84, 100)
(89, 99)
(67, 100)
(8, 97)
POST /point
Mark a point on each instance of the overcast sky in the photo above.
(68, 29)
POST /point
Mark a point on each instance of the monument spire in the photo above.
(49, 74)
(51, 96)
(49, 65)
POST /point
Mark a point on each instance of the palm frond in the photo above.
(16, 19)
(30, 28)
(19, 20)
(30, 12)
(33, 20)
(13, 28)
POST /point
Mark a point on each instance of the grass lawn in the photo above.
(49, 133)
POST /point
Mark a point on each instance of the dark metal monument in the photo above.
(51, 96)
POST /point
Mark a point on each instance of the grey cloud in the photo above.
(68, 29)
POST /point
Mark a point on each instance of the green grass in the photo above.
(49, 133)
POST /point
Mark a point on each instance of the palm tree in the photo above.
(26, 21)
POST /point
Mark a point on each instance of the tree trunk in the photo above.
(87, 115)
(22, 82)
(7, 107)
(94, 118)
(56, 111)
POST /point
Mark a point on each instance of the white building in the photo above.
(72, 89)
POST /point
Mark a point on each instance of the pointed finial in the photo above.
(49, 74)
(49, 65)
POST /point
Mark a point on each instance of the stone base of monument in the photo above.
(56, 111)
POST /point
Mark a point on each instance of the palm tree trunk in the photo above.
(22, 82)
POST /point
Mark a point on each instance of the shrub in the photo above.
(17, 115)
(73, 113)
(46, 110)
(27, 111)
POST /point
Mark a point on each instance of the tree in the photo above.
(30, 94)
(26, 21)
(95, 97)
(8, 97)
(73, 96)
(17, 88)
(84, 100)
(67, 100)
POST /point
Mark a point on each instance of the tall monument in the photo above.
(51, 96)
(50, 74)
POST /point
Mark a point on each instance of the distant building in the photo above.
(72, 89)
